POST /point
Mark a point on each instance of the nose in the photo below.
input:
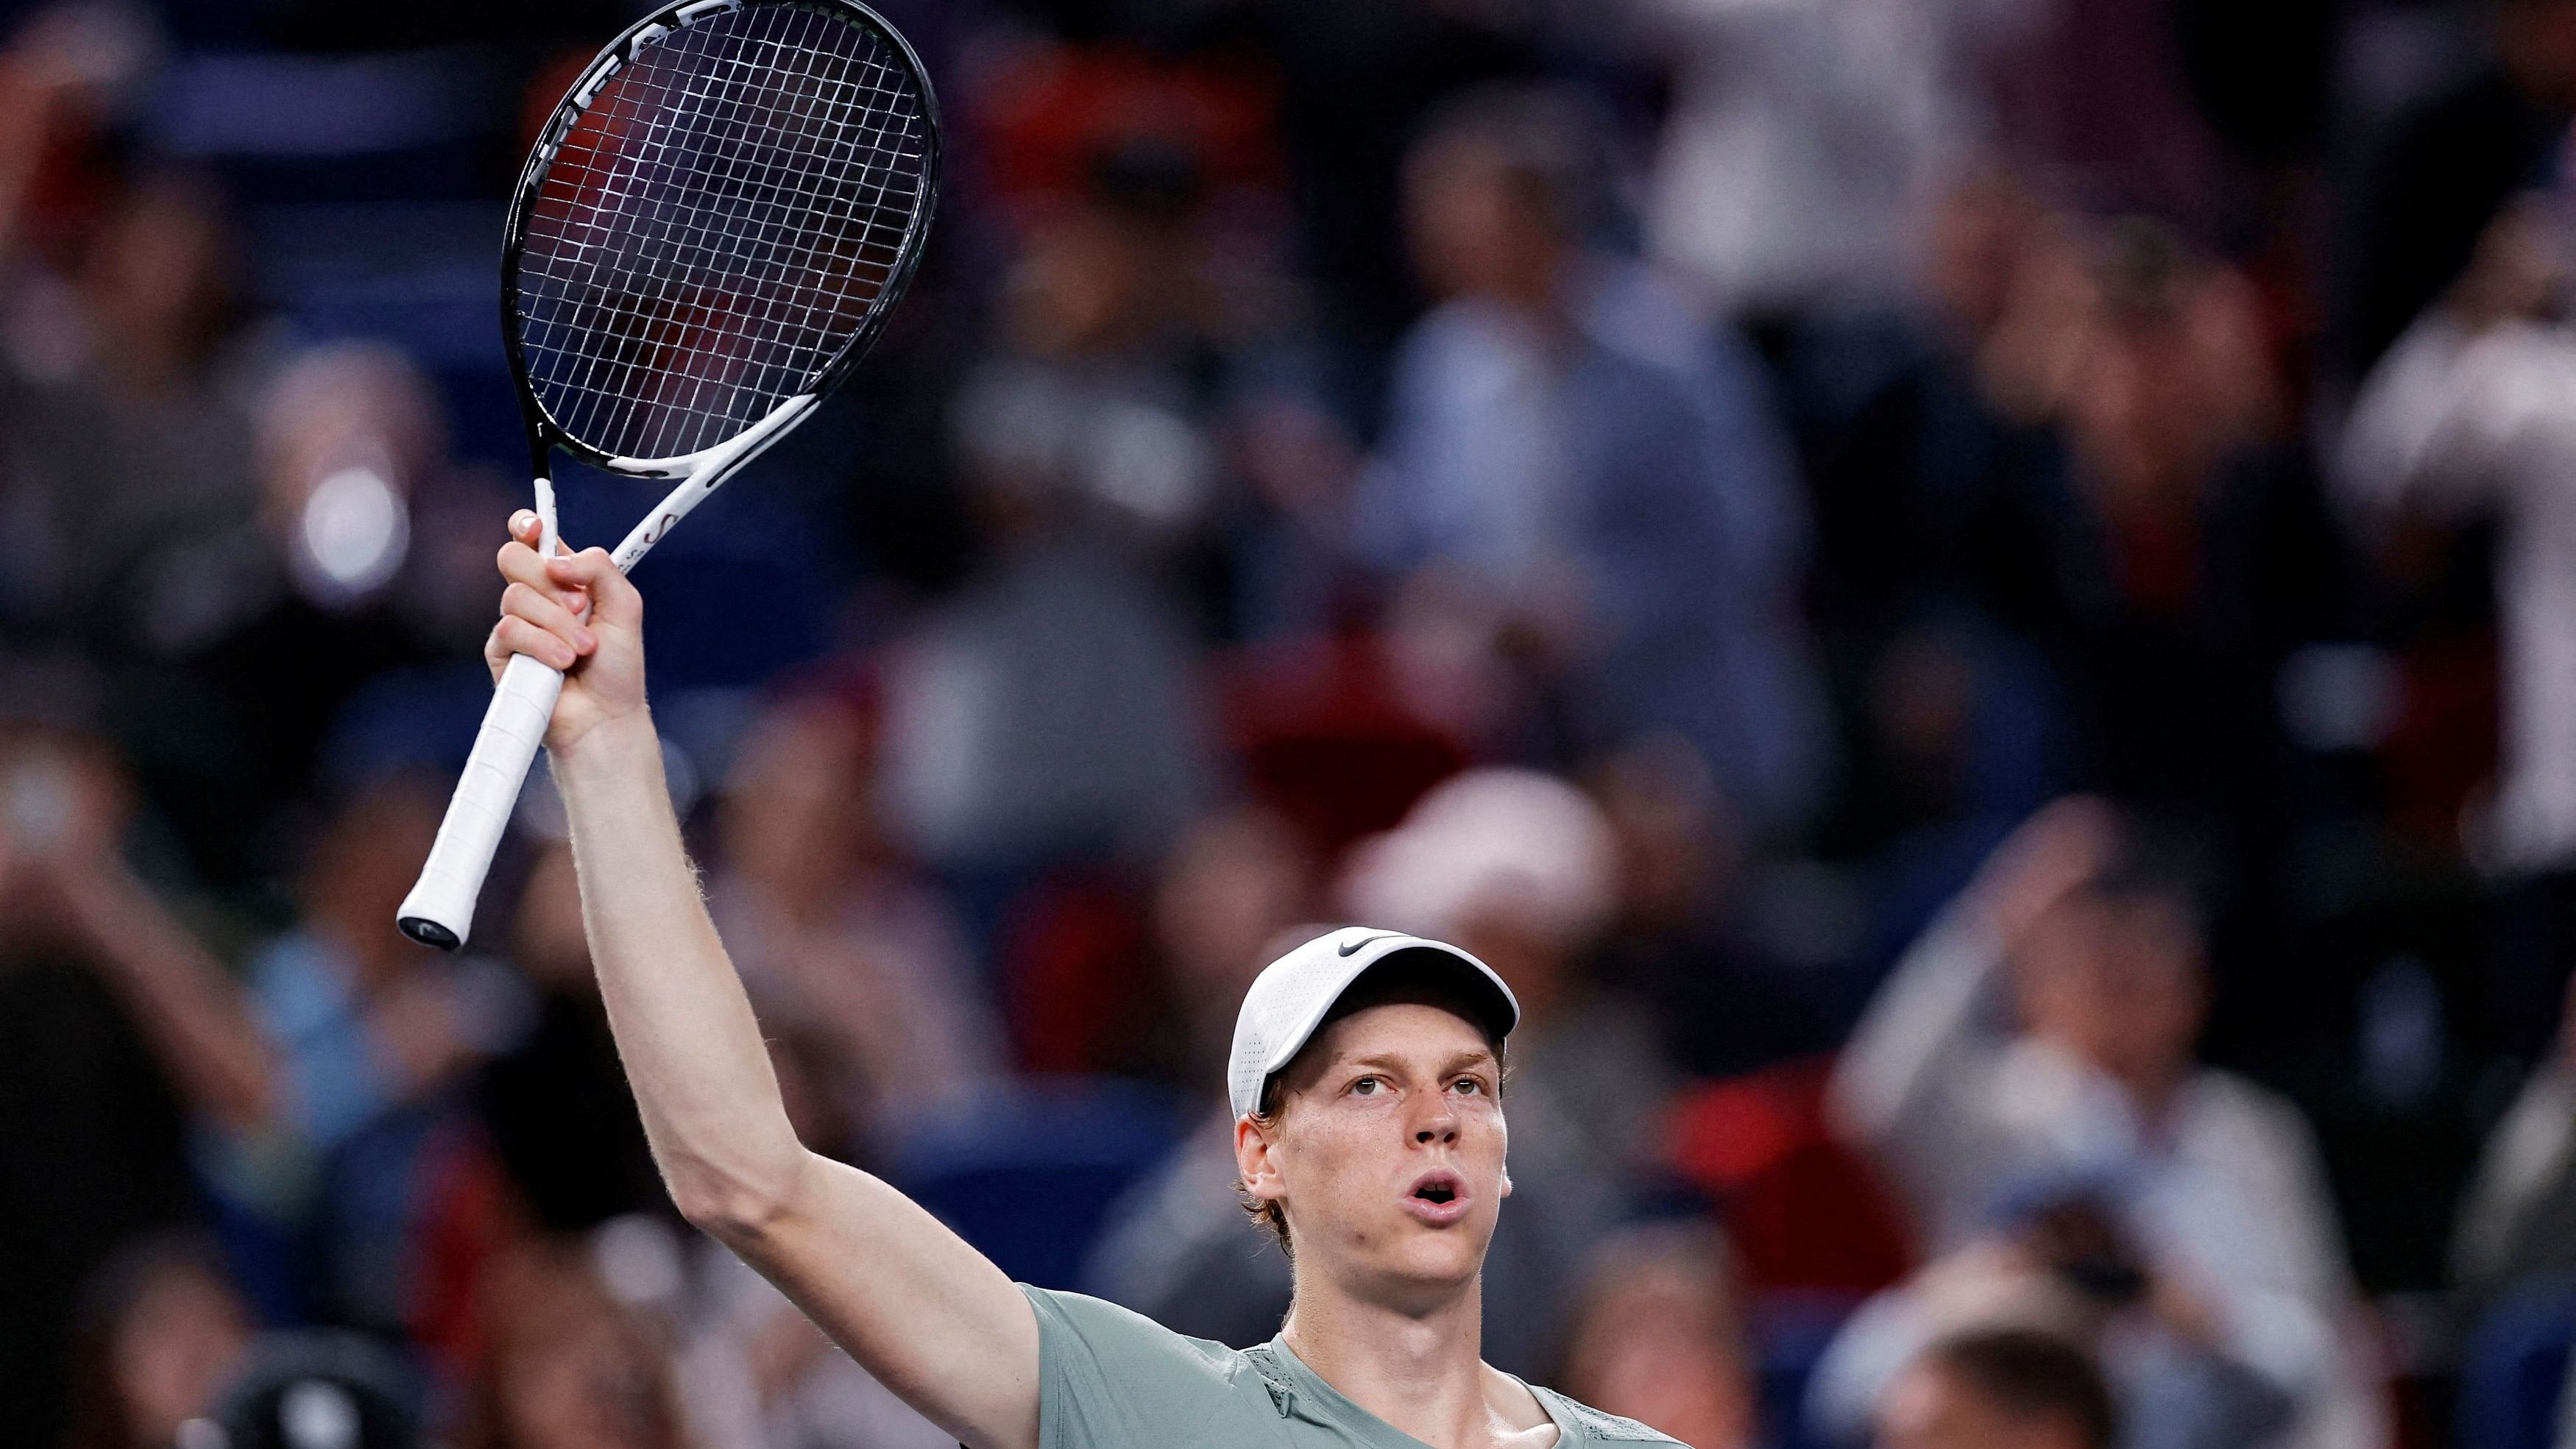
(1435, 1121)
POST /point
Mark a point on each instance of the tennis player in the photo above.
(1367, 1085)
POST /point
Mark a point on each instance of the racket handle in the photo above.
(440, 909)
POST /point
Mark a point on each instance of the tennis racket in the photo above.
(711, 230)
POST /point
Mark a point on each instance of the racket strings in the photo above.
(761, 67)
(717, 227)
(682, 217)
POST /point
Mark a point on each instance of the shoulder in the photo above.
(1109, 1331)
(1103, 1321)
(1592, 1426)
(1111, 1378)
(2236, 1106)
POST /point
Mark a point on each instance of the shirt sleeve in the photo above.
(2453, 419)
(1905, 1086)
(1109, 1378)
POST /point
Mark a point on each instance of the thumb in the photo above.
(613, 598)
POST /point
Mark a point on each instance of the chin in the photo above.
(1435, 1262)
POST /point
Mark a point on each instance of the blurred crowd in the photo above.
(1970, 598)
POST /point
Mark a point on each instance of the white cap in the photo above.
(1497, 847)
(1292, 996)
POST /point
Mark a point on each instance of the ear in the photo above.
(1255, 1162)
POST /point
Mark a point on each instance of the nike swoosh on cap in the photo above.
(1353, 948)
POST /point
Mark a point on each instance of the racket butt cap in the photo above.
(429, 932)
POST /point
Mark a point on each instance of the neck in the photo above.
(2151, 1094)
(1421, 1371)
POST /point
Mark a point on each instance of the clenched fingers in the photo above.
(547, 611)
(515, 635)
(519, 565)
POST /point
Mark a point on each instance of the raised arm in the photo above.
(70, 880)
(910, 1301)
(1898, 1085)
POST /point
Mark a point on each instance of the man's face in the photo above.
(1929, 1409)
(1473, 229)
(2117, 981)
(1387, 1153)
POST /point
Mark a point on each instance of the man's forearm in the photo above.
(911, 1301)
(190, 1010)
(684, 1028)
(1927, 1015)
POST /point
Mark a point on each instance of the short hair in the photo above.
(2160, 857)
(1548, 139)
(2030, 1375)
(1418, 975)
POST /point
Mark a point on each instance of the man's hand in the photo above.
(61, 866)
(2519, 271)
(578, 614)
(2056, 851)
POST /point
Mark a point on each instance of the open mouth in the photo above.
(1438, 1198)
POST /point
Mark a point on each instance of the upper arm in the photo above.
(908, 1299)
(2446, 418)
(1926, 1027)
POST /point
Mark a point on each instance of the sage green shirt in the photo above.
(1109, 1378)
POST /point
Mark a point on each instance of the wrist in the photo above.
(107, 908)
(620, 748)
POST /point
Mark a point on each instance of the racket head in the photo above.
(717, 218)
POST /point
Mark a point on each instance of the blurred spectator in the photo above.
(1050, 706)
(1659, 1336)
(1586, 473)
(566, 1365)
(2004, 1389)
(2465, 419)
(116, 1028)
(757, 1372)
(1687, 939)
(375, 1041)
(2517, 1224)
(1927, 454)
(351, 570)
(310, 1389)
(2097, 941)
(2435, 180)
(131, 446)
(1232, 885)
(2190, 1371)
(2513, 1266)
(1799, 135)
(1095, 408)
(554, 1104)
(159, 1335)
(2199, 553)
(834, 929)
(2089, 450)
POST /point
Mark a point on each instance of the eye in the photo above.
(1367, 1086)
(1470, 1087)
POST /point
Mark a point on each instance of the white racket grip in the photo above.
(440, 909)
